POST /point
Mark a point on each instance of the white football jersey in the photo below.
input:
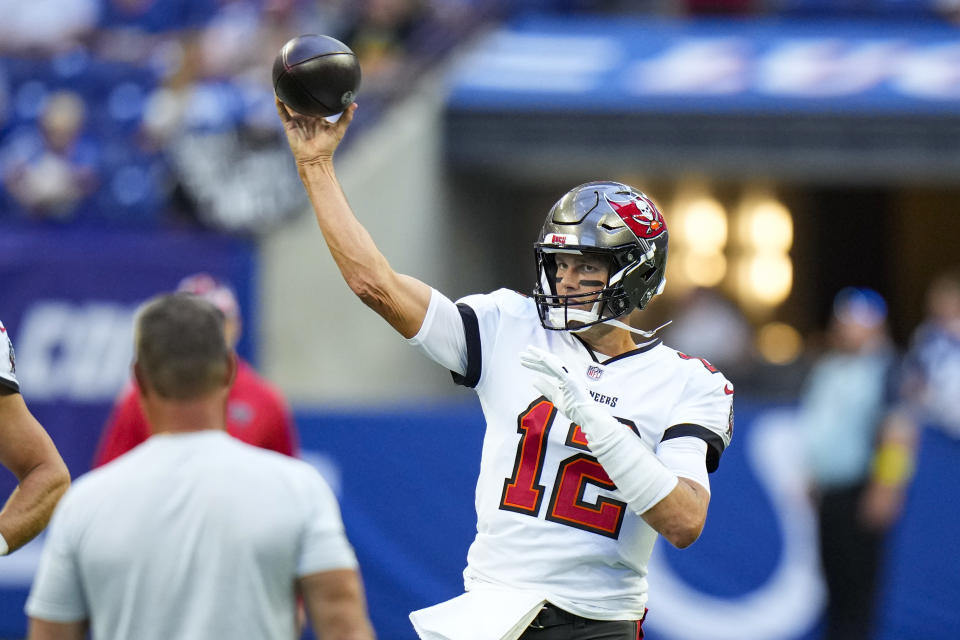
(8, 367)
(548, 517)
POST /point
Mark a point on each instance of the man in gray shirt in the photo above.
(193, 534)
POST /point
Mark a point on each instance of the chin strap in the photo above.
(624, 325)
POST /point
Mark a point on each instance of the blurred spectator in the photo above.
(45, 26)
(711, 326)
(52, 169)
(256, 412)
(156, 16)
(172, 118)
(840, 413)
(917, 471)
(380, 36)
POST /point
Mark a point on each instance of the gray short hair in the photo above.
(180, 348)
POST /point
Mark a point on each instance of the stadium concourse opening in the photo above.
(790, 157)
(891, 238)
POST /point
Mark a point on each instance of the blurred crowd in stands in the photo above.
(159, 113)
(152, 113)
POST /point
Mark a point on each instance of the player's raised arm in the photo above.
(400, 299)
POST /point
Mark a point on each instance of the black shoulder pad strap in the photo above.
(471, 328)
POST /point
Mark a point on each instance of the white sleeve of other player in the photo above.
(686, 458)
(441, 336)
(57, 593)
(324, 546)
(8, 374)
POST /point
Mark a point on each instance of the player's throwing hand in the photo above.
(313, 139)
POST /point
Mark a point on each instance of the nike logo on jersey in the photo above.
(728, 389)
(602, 399)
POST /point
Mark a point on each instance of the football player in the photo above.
(29, 453)
(598, 436)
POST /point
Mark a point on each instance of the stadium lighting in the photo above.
(779, 343)
(770, 226)
(763, 236)
(704, 223)
(705, 269)
(769, 278)
(699, 230)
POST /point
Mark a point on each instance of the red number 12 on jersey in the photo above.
(523, 491)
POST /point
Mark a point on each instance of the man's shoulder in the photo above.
(266, 460)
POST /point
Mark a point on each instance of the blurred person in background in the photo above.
(841, 410)
(195, 534)
(710, 325)
(52, 170)
(47, 27)
(28, 452)
(380, 35)
(549, 561)
(917, 470)
(256, 412)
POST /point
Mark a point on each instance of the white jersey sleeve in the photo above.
(57, 594)
(686, 458)
(704, 411)
(442, 337)
(324, 545)
(451, 333)
(8, 366)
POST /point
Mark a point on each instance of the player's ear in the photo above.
(141, 381)
(231, 373)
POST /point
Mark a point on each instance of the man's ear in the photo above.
(141, 381)
(231, 369)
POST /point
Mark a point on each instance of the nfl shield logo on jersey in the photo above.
(594, 372)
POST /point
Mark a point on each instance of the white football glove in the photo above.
(557, 384)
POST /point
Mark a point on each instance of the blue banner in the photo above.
(68, 297)
(607, 65)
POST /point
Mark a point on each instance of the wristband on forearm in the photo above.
(893, 465)
(640, 477)
(4, 549)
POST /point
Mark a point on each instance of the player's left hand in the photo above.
(557, 385)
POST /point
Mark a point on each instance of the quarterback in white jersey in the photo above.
(549, 517)
(594, 444)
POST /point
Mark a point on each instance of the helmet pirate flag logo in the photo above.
(640, 215)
